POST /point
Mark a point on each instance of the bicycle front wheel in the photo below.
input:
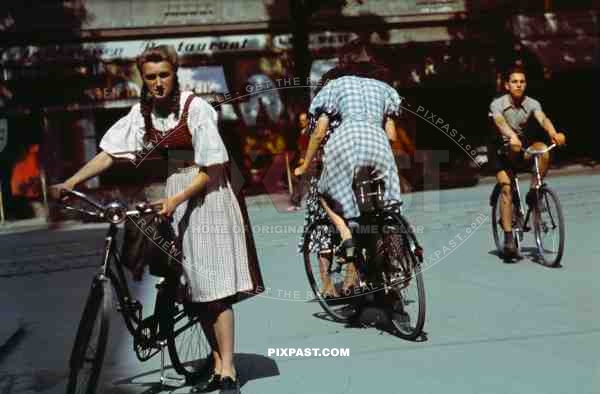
(91, 340)
(188, 346)
(549, 227)
(328, 284)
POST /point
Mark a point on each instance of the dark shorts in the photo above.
(502, 161)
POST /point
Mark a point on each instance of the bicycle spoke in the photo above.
(187, 344)
(549, 228)
(328, 276)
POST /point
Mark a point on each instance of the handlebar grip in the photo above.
(82, 196)
(146, 207)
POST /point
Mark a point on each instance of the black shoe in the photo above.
(346, 250)
(229, 386)
(510, 249)
(213, 383)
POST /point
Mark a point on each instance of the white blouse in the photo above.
(126, 136)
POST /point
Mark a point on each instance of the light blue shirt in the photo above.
(516, 116)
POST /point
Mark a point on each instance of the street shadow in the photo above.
(370, 316)
(249, 367)
(375, 317)
(527, 253)
(12, 343)
(506, 260)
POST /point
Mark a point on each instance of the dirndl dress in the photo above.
(218, 251)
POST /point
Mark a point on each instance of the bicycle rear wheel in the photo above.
(405, 296)
(327, 284)
(549, 227)
(188, 346)
(90, 343)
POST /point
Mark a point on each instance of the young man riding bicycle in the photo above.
(512, 116)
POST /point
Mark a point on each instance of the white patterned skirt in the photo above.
(215, 250)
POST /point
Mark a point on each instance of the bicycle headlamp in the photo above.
(116, 212)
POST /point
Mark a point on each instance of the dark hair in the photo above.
(161, 53)
(514, 69)
(327, 77)
(357, 58)
(355, 51)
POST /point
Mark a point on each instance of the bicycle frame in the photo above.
(152, 334)
(119, 282)
(521, 221)
(519, 206)
(378, 218)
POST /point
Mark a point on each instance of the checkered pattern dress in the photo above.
(358, 106)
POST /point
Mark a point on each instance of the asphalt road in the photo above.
(492, 327)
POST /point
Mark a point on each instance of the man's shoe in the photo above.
(293, 208)
(229, 386)
(510, 249)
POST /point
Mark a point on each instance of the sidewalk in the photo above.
(571, 169)
(280, 200)
(40, 223)
(256, 202)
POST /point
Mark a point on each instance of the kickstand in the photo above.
(167, 380)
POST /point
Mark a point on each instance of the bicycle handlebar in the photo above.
(537, 152)
(114, 212)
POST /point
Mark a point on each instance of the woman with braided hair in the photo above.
(219, 265)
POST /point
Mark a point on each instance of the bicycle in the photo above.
(173, 324)
(388, 264)
(548, 220)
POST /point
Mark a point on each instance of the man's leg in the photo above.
(544, 164)
(503, 179)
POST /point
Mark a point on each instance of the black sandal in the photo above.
(346, 250)
(213, 383)
(229, 385)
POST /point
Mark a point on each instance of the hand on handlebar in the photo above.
(515, 144)
(299, 171)
(169, 205)
(558, 139)
(56, 191)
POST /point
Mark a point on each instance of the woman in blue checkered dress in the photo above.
(361, 109)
